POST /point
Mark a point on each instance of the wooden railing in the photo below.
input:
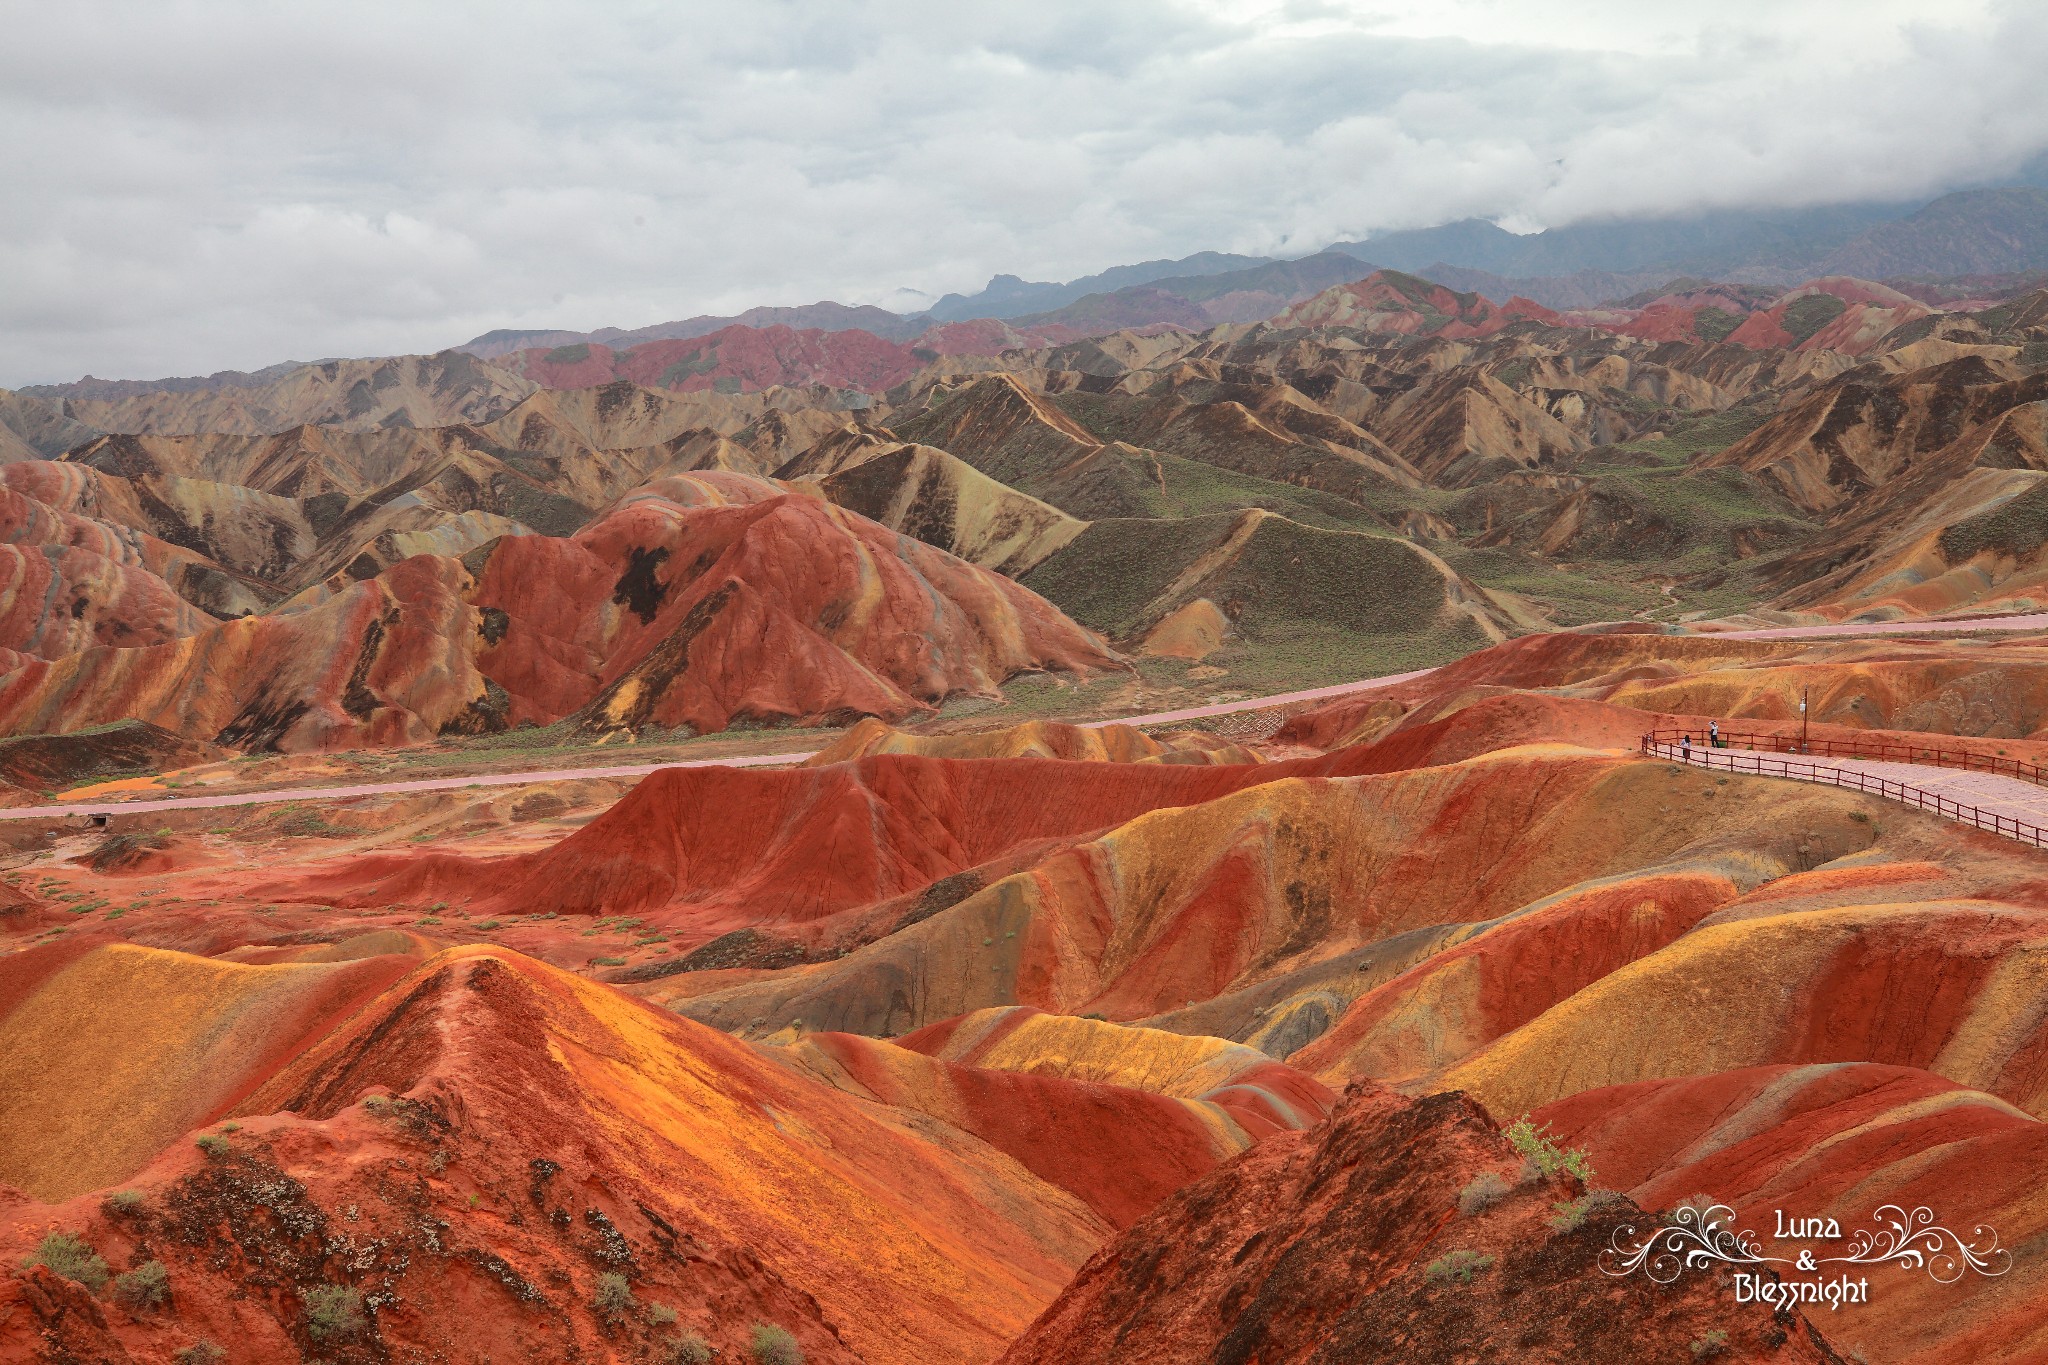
(1876, 750)
(1768, 765)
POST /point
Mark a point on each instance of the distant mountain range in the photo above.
(1983, 242)
(1970, 233)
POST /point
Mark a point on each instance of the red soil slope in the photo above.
(1840, 1141)
(1119, 1150)
(786, 608)
(724, 600)
(548, 1131)
(737, 358)
(1184, 905)
(1317, 1247)
(724, 848)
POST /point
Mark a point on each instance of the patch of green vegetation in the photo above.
(687, 367)
(1281, 580)
(1483, 1192)
(2017, 527)
(773, 1345)
(215, 1146)
(1715, 324)
(334, 1310)
(1713, 1344)
(689, 1348)
(1457, 1267)
(145, 1287)
(1569, 1215)
(310, 824)
(200, 1352)
(614, 1296)
(65, 1254)
(573, 354)
(123, 1202)
(1804, 317)
(1539, 1147)
(607, 962)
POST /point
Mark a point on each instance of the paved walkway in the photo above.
(422, 784)
(1993, 793)
(2036, 621)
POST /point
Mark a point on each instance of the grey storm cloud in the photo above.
(198, 185)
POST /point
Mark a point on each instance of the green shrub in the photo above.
(122, 1202)
(689, 1349)
(607, 962)
(1570, 1214)
(1456, 1267)
(614, 1296)
(773, 1345)
(66, 1254)
(213, 1144)
(333, 1310)
(1712, 1344)
(146, 1286)
(661, 1315)
(1537, 1145)
(1483, 1193)
(200, 1352)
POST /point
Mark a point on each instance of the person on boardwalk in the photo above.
(1685, 747)
(1713, 734)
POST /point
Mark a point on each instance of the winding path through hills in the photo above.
(2031, 621)
(2004, 805)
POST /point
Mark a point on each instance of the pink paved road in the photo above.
(2035, 621)
(1993, 793)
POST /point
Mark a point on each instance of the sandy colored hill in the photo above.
(1989, 689)
(173, 1042)
(938, 499)
(1038, 739)
(411, 391)
(1389, 301)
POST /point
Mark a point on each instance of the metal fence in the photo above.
(1872, 749)
(1767, 765)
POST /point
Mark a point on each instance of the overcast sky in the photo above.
(186, 187)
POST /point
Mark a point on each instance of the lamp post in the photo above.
(1804, 748)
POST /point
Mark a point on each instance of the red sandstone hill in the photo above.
(1770, 991)
(469, 1148)
(738, 359)
(1348, 1244)
(1841, 1141)
(475, 1149)
(737, 601)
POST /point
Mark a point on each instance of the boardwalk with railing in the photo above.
(2003, 800)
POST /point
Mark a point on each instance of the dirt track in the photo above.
(2035, 621)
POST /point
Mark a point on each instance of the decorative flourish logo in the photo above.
(1698, 1235)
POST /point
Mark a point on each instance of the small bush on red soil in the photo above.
(147, 1286)
(775, 1346)
(66, 1254)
